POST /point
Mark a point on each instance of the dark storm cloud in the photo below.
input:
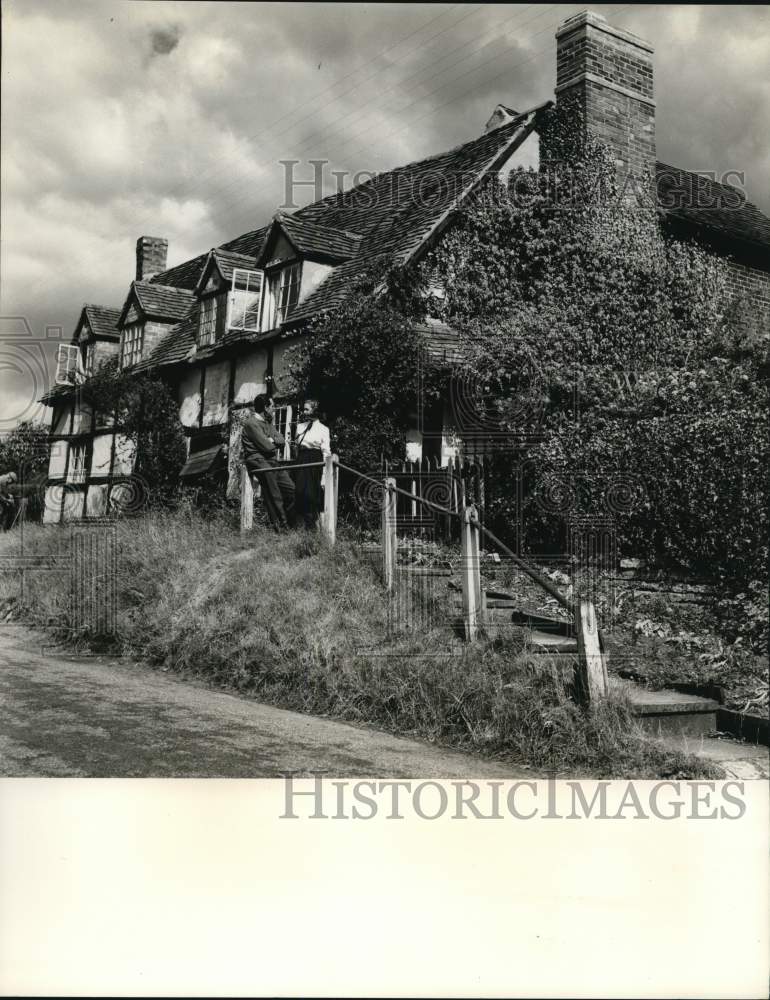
(170, 119)
(165, 40)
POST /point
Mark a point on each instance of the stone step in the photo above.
(531, 619)
(547, 642)
(668, 713)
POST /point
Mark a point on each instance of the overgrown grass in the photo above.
(296, 624)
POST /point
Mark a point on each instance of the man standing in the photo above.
(260, 442)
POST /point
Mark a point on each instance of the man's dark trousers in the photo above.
(278, 494)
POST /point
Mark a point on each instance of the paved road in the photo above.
(64, 715)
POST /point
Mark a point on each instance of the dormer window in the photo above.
(297, 252)
(207, 331)
(284, 294)
(229, 292)
(131, 344)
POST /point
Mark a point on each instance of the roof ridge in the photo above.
(489, 136)
(462, 145)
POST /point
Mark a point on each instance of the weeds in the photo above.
(297, 624)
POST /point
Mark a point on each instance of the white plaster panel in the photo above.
(73, 504)
(58, 459)
(125, 450)
(189, 397)
(62, 422)
(102, 455)
(215, 393)
(96, 501)
(83, 418)
(250, 375)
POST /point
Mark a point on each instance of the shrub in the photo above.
(145, 411)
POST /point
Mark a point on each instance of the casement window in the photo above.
(69, 365)
(284, 293)
(245, 300)
(282, 419)
(207, 331)
(88, 358)
(131, 345)
(77, 469)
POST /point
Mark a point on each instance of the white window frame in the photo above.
(282, 417)
(131, 344)
(241, 311)
(207, 327)
(78, 456)
(280, 280)
(69, 364)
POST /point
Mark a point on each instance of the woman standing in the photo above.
(313, 445)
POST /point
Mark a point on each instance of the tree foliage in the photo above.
(144, 410)
(364, 362)
(25, 450)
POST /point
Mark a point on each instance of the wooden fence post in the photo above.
(591, 668)
(247, 501)
(336, 480)
(448, 517)
(389, 537)
(471, 573)
(331, 488)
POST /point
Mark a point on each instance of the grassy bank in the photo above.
(296, 624)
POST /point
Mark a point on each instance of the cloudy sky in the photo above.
(170, 119)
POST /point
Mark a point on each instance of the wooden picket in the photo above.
(389, 536)
(591, 669)
(471, 573)
(331, 474)
(247, 501)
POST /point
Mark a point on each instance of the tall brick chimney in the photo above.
(608, 73)
(151, 254)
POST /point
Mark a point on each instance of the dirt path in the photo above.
(96, 716)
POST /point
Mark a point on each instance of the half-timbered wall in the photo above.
(216, 385)
(250, 375)
(189, 397)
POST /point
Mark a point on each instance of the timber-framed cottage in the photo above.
(217, 327)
